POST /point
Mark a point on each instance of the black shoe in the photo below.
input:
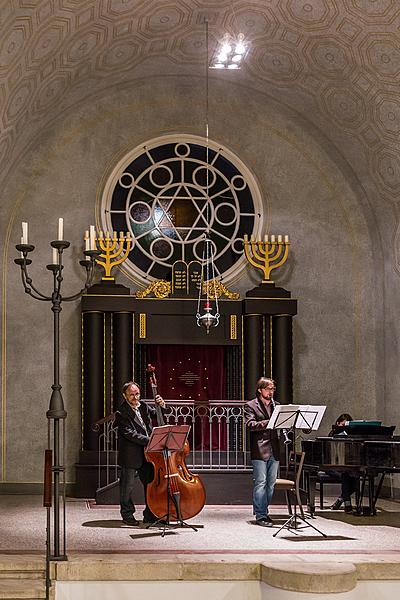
(264, 522)
(348, 509)
(130, 521)
(337, 504)
(155, 520)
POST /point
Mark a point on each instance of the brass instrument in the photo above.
(285, 432)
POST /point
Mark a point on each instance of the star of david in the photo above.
(182, 211)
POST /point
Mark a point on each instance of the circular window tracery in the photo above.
(169, 192)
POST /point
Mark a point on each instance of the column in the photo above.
(122, 366)
(282, 358)
(93, 375)
(252, 353)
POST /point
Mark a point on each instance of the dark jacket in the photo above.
(132, 437)
(263, 442)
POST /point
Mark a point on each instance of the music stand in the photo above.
(296, 416)
(168, 439)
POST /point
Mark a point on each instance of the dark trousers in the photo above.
(350, 483)
(126, 485)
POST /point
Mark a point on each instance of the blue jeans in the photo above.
(265, 473)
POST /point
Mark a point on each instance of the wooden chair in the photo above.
(291, 483)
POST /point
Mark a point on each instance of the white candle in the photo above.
(107, 234)
(272, 239)
(265, 239)
(60, 228)
(121, 235)
(279, 239)
(87, 240)
(286, 239)
(115, 237)
(92, 238)
(24, 239)
(55, 256)
(245, 237)
(100, 235)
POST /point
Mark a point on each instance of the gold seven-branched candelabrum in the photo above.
(56, 414)
(113, 249)
(268, 254)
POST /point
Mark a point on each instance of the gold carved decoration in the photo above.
(215, 289)
(233, 327)
(160, 289)
(142, 326)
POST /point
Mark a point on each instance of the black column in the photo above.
(122, 353)
(93, 375)
(267, 371)
(282, 358)
(252, 353)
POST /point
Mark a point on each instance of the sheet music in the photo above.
(303, 416)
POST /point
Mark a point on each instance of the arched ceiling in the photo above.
(335, 62)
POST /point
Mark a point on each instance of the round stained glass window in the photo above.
(168, 193)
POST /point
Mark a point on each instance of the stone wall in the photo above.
(345, 335)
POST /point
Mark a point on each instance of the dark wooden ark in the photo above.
(121, 333)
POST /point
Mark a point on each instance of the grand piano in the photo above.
(364, 447)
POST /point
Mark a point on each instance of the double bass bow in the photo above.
(175, 492)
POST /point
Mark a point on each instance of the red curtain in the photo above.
(195, 373)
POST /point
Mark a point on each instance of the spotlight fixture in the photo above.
(229, 53)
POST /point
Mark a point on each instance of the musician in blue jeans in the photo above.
(264, 449)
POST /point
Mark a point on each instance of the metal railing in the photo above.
(217, 438)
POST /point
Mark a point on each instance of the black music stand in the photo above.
(168, 439)
(295, 417)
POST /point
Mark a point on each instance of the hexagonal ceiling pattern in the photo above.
(336, 62)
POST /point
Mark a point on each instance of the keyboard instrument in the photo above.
(365, 448)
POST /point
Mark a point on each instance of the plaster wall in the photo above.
(335, 268)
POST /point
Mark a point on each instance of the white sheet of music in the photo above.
(303, 416)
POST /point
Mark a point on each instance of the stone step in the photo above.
(22, 589)
(21, 575)
(22, 562)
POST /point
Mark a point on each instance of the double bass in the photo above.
(185, 495)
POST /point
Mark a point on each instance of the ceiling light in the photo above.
(230, 52)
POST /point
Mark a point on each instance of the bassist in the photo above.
(134, 424)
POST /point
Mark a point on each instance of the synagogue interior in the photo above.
(200, 241)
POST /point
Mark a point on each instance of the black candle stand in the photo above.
(56, 413)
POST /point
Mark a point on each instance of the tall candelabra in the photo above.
(56, 414)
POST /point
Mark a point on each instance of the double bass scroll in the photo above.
(174, 491)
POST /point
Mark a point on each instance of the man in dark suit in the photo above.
(133, 420)
(264, 449)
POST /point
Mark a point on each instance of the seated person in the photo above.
(350, 480)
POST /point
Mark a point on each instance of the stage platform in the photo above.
(228, 547)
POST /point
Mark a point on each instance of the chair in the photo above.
(291, 483)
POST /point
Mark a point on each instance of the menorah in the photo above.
(266, 255)
(113, 250)
(56, 412)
